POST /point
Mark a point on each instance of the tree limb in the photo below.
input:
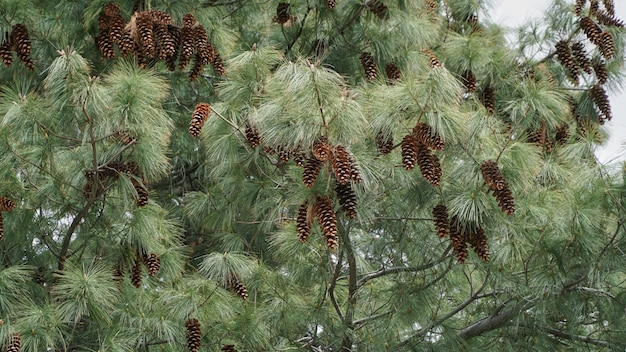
(496, 320)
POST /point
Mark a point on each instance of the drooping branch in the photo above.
(496, 320)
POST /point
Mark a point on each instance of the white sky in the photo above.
(513, 13)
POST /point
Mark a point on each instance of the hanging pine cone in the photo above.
(299, 159)
(170, 61)
(145, 37)
(562, 135)
(440, 217)
(478, 241)
(378, 8)
(609, 6)
(565, 58)
(196, 70)
(328, 220)
(331, 4)
(136, 273)
(578, 7)
(239, 287)
(340, 160)
(409, 148)
(432, 5)
(367, 61)
(283, 13)
(392, 71)
(591, 30)
(488, 100)
(429, 165)
(355, 172)
(434, 61)
(193, 335)
(118, 278)
(199, 117)
(142, 194)
(127, 42)
(459, 244)
(505, 200)
(384, 142)
(15, 343)
(125, 137)
(303, 222)
(218, 64)
(164, 42)
(252, 135)
(607, 46)
(228, 348)
(609, 20)
(116, 28)
(492, 175)
(283, 154)
(580, 56)
(321, 149)
(105, 45)
(311, 171)
(347, 199)
(601, 99)
(187, 46)
(21, 45)
(428, 136)
(6, 204)
(469, 81)
(6, 54)
(204, 49)
(153, 262)
(594, 7)
(602, 74)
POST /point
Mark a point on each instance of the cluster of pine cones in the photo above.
(151, 261)
(17, 41)
(112, 171)
(416, 148)
(460, 236)
(151, 35)
(6, 204)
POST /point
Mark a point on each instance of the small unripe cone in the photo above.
(609, 20)
(409, 148)
(15, 343)
(602, 74)
(488, 100)
(283, 13)
(193, 335)
(459, 244)
(578, 7)
(321, 149)
(378, 8)
(384, 142)
(136, 273)
(199, 117)
(478, 241)
(239, 287)
(187, 46)
(303, 222)
(6, 204)
(392, 71)
(311, 171)
(6, 53)
(252, 135)
(328, 220)
(331, 4)
(218, 64)
(601, 99)
(341, 164)
(609, 5)
(580, 56)
(434, 61)
(228, 348)
(153, 262)
(440, 217)
(429, 165)
(347, 199)
(591, 30)
(144, 33)
(142, 194)
(492, 175)
(428, 136)
(469, 81)
(607, 46)
(367, 61)
(21, 45)
(105, 45)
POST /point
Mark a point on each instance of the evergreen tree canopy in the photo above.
(319, 175)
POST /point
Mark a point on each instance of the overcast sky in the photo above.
(514, 12)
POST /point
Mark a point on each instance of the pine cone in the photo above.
(384, 143)
(591, 30)
(328, 220)
(367, 61)
(111, 9)
(607, 46)
(347, 199)
(392, 71)
(492, 175)
(469, 81)
(580, 56)
(199, 117)
(303, 222)
(239, 287)
(488, 100)
(429, 165)
(609, 20)
(299, 159)
(432, 5)
(6, 53)
(434, 61)
(252, 135)
(609, 6)
(440, 217)
(505, 200)
(196, 70)
(160, 17)
(6, 204)
(136, 273)
(193, 335)
(459, 244)
(105, 45)
(127, 42)
(565, 58)
(21, 45)
(409, 148)
(187, 46)
(562, 135)
(311, 171)
(218, 64)
(203, 47)
(594, 7)
(228, 348)
(428, 136)
(340, 160)
(164, 42)
(601, 99)
(378, 8)
(602, 74)
(321, 149)
(116, 28)
(283, 13)
(118, 278)
(15, 343)
(331, 4)
(478, 241)
(355, 173)
(188, 20)
(142, 194)
(144, 33)
(153, 262)
(175, 35)
(578, 7)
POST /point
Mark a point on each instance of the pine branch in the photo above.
(333, 282)
(383, 272)
(496, 320)
(580, 338)
(352, 286)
